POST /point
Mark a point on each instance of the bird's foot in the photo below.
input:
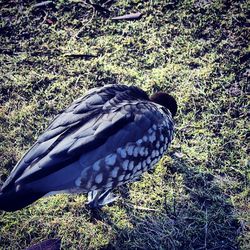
(98, 199)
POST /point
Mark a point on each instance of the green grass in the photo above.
(198, 196)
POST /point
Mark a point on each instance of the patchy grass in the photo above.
(198, 197)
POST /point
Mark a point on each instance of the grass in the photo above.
(198, 196)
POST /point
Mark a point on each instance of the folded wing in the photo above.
(85, 125)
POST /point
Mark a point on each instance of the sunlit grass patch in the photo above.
(198, 196)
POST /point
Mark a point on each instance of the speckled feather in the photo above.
(104, 139)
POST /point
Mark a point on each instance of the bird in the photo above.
(104, 139)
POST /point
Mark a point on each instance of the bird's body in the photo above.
(104, 139)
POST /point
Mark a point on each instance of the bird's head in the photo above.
(165, 100)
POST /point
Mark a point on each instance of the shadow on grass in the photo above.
(200, 216)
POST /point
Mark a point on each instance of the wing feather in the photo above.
(83, 126)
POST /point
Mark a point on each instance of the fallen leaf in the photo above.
(132, 16)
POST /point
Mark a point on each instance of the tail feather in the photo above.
(13, 200)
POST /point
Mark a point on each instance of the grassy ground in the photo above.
(198, 197)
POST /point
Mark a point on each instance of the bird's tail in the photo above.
(12, 200)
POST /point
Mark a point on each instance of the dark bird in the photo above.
(104, 139)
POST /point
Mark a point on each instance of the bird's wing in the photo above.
(83, 126)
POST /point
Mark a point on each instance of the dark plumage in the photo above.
(102, 140)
